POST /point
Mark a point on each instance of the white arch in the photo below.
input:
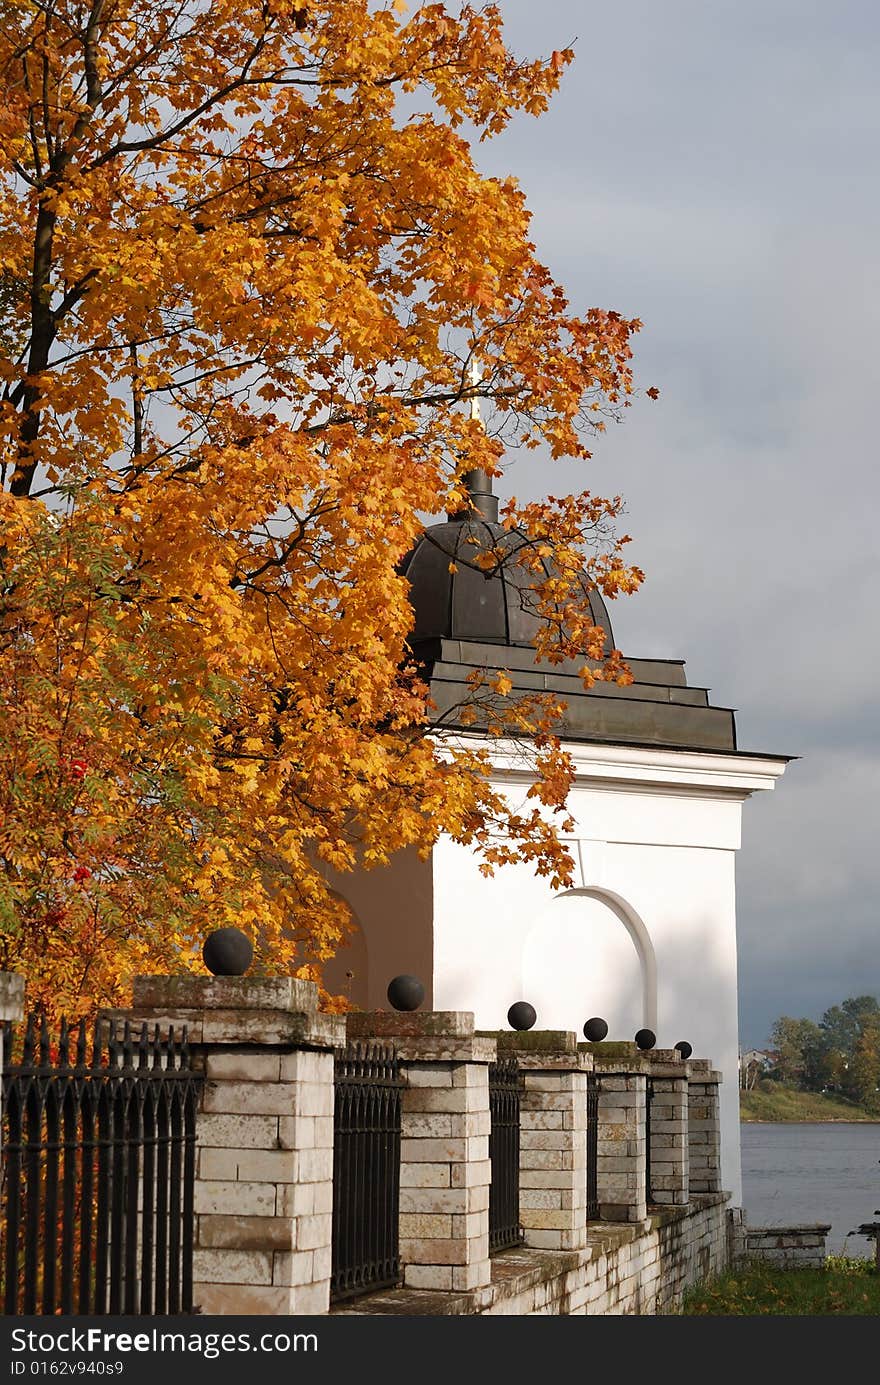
(635, 926)
(561, 954)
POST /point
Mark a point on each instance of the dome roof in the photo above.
(469, 620)
(454, 598)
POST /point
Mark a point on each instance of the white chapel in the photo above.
(647, 936)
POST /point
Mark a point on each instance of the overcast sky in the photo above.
(712, 168)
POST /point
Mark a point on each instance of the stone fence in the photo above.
(799, 1247)
(263, 1197)
(264, 1189)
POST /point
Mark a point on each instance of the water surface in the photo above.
(827, 1171)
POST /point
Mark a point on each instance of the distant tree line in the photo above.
(840, 1054)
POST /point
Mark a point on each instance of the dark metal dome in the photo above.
(454, 598)
(469, 621)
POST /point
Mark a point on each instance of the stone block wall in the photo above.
(445, 1176)
(263, 1197)
(622, 1174)
(704, 1127)
(632, 1270)
(788, 1247)
(623, 1270)
(553, 1136)
(11, 1006)
(670, 1165)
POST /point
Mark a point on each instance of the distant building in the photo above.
(753, 1065)
(756, 1057)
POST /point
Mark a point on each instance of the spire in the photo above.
(477, 482)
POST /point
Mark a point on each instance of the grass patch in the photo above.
(771, 1101)
(846, 1287)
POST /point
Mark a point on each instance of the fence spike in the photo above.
(27, 1055)
(143, 1048)
(10, 1040)
(64, 1046)
(44, 1040)
(127, 1047)
(112, 1045)
(81, 1045)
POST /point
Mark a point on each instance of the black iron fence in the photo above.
(504, 1227)
(592, 1147)
(366, 1171)
(649, 1097)
(98, 1172)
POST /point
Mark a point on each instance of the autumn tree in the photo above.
(843, 1025)
(863, 1072)
(851, 1037)
(797, 1047)
(841, 1053)
(247, 262)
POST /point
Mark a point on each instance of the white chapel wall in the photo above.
(649, 930)
(670, 870)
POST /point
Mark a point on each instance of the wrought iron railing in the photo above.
(366, 1171)
(504, 1088)
(592, 1147)
(98, 1172)
(649, 1097)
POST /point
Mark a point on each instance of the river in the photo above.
(827, 1171)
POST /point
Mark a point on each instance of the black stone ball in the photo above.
(646, 1038)
(522, 1015)
(595, 1030)
(684, 1048)
(227, 952)
(405, 993)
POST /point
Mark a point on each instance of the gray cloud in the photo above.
(712, 170)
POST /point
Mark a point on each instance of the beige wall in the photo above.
(395, 911)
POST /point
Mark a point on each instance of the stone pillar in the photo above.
(622, 1183)
(11, 1009)
(552, 1140)
(264, 1132)
(736, 1235)
(669, 1127)
(444, 1151)
(704, 1127)
(11, 1001)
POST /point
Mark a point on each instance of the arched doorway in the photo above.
(588, 954)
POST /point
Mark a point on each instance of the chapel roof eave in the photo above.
(662, 714)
